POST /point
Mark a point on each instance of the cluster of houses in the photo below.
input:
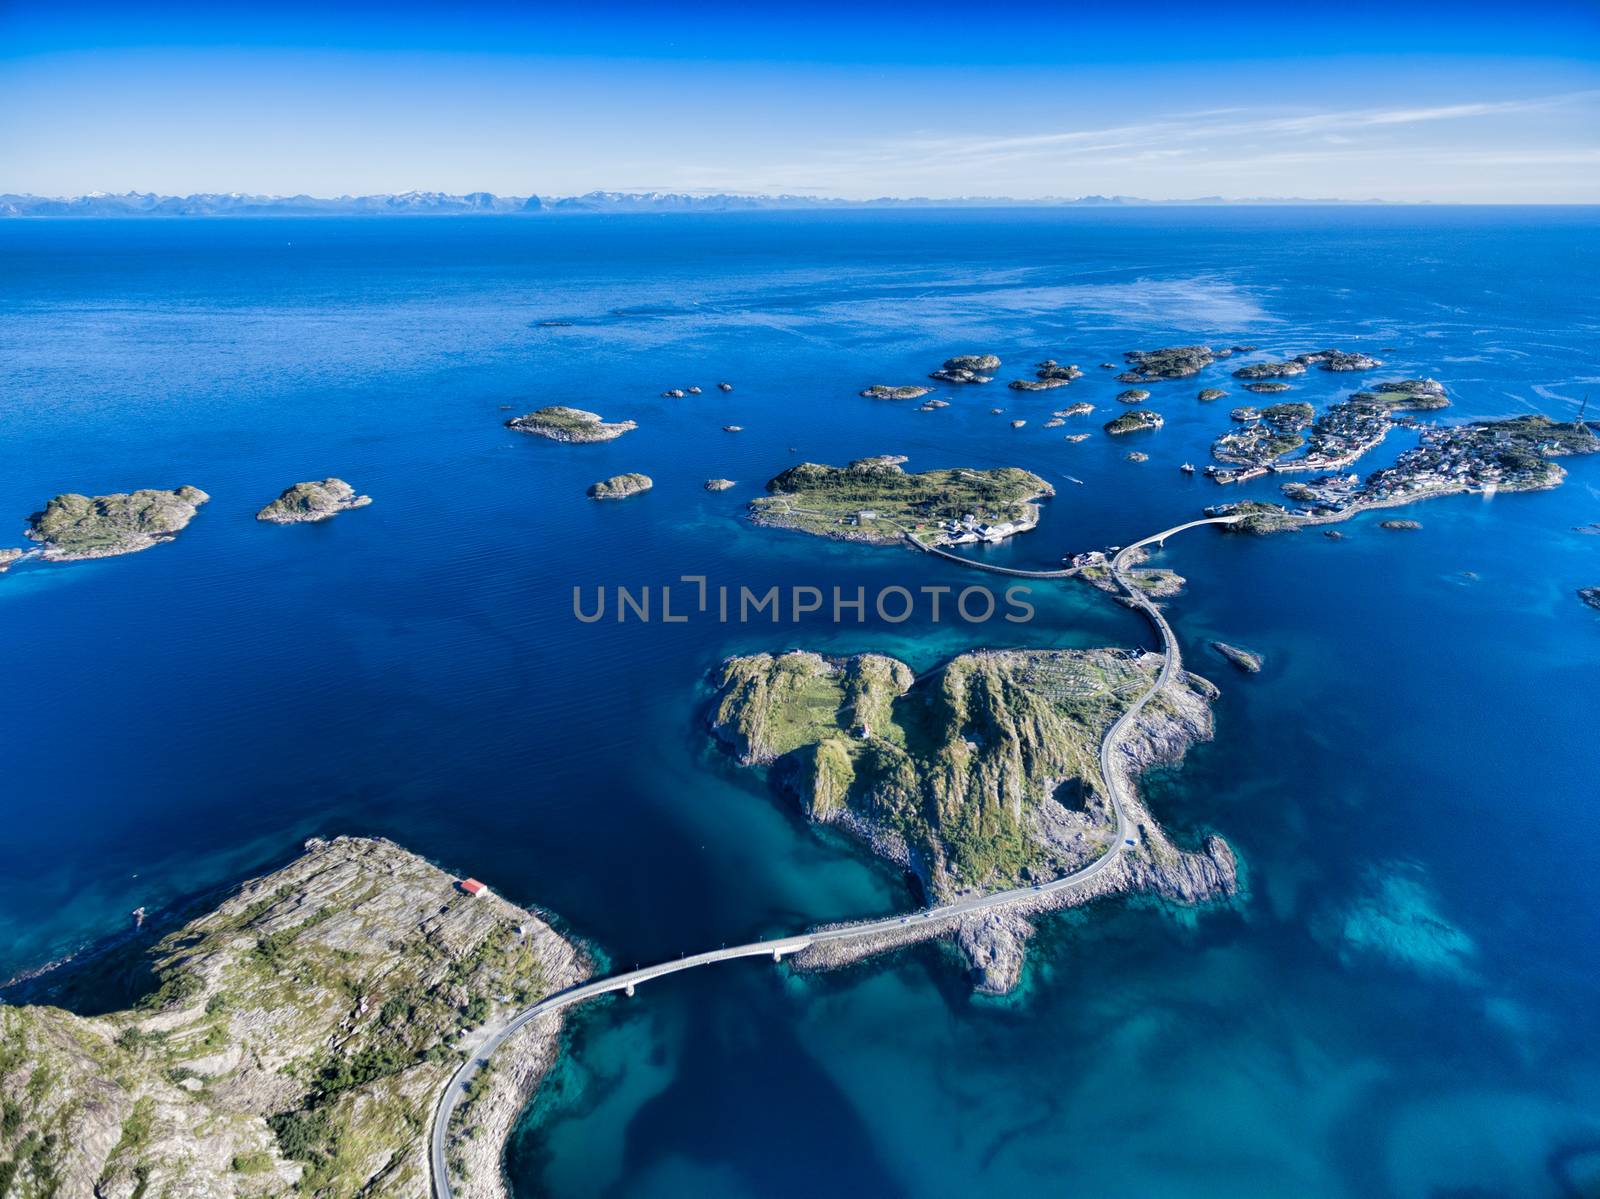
(969, 530)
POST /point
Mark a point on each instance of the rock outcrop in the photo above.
(884, 391)
(1242, 658)
(1172, 362)
(312, 502)
(74, 527)
(620, 487)
(968, 368)
(293, 1040)
(560, 423)
(1133, 421)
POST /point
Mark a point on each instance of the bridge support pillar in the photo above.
(777, 955)
(628, 990)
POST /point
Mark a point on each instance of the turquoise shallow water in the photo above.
(1403, 1003)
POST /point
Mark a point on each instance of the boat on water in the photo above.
(1073, 479)
(1187, 468)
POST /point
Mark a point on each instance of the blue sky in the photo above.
(1494, 103)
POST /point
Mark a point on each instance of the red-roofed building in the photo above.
(473, 887)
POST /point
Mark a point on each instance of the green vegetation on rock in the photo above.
(294, 1041)
(1171, 362)
(874, 500)
(312, 502)
(1133, 421)
(620, 487)
(560, 423)
(883, 391)
(979, 775)
(76, 526)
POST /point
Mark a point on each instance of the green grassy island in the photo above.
(74, 527)
(981, 775)
(560, 423)
(873, 500)
(292, 1040)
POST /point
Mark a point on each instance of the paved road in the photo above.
(976, 564)
(493, 1036)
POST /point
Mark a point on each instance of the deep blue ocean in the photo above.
(1402, 1004)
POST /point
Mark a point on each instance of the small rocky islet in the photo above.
(1048, 375)
(1133, 421)
(718, 484)
(308, 502)
(885, 391)
(968, 368)
(1243, 659)
(574, 425)
(75, 527)
(1590, 596)
(620, 487)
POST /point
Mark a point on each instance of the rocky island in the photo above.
(981, 776)
(1209, 394)
(1271, 370)
(312, 502)
(884, 391)
(74, 527)
(1172, 362)
(968, 368)
(873, 500)
(718, 484)
(1590, 596)
(8, 555)
(1134, 395)
(560, 423)
(1047, 375)
(620, 487)
(1134, 420)
(1484, 456)
(292, 1040)
(1267, 435)
(1243, 659)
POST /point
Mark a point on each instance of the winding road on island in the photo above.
(494, 1035)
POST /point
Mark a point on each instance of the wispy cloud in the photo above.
(1210, 125)
(1252, 143)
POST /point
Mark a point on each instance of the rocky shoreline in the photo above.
(309, 502)
(294, 1037)
(76, 528)
(994, 942)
